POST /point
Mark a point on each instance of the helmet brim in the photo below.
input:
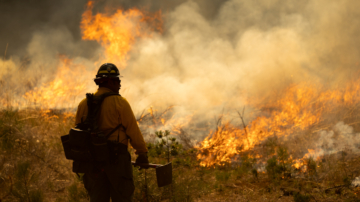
(107, 76)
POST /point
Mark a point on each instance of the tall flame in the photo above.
(117, 33)
(299, 108)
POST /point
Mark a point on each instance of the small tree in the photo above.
(279, 165)
(167, 146)
(311, 166)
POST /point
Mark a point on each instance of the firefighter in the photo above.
(115, 179)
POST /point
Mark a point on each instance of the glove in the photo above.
(142, 159)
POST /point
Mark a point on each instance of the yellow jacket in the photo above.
(115, 110)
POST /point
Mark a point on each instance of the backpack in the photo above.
(85, 144)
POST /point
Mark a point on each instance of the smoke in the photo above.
(212, 56)
(356, 182)
(341, 138)
(40, 65)
(247, 49)
(21, 19)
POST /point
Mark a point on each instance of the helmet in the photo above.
(106, 71)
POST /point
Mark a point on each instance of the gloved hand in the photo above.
(142, 159)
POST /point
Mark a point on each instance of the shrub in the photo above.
(272, 168)
(347, 181)
(301, 198)
(165, 146)
(36, 196)
(222, 176)
(311, 166)
(75, 193)
(246, 165)
(279, 165)
(254, 172)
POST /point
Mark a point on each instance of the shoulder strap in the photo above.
(113, 130)
(94, 108)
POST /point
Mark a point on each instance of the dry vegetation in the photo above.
(33, 167)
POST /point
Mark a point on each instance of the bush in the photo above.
(165, 146)
(36, 196)
(32, 158)
(311, 166)
(301, 198)
(279, 165)
(222, 176)
(246, 165)
(272, 168)
(254, 172)
(75, 194)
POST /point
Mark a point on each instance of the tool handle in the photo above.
(145, 165)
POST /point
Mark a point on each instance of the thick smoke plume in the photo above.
(247, 49)
(212, 57)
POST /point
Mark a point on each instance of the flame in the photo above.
(63, 91)
(167, 120)
(117, 32)
(312, 153)
(300, 107)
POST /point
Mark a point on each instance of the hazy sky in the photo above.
(211, 55)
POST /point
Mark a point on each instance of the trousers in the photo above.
(113, 180)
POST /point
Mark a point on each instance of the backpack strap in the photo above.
(113, 130)
(94, 108)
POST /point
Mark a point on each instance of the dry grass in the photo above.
(33, 168)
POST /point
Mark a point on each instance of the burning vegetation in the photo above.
(302, 111)
(300, 140)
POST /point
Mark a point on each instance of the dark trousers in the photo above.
(114, 180)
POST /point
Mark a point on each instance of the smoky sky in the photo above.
(21, 18)
(211, 55)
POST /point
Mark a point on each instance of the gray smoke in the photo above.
(341, 138)
(212, 55)
(248, 48)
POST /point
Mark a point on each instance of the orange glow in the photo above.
(67, 86)
(117, 32)
(299, 108)
(167, 120)
(64, 90)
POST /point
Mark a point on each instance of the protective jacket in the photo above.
(116, 110)
(115, 179)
